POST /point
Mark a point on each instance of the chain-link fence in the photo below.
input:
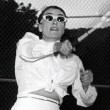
(94, 52)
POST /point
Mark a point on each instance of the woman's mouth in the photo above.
(54, 29)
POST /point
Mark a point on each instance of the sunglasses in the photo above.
(52, 17)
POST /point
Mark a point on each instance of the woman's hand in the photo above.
(63, 47)
(86, 78)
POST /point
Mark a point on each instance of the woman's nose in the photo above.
(54, 21)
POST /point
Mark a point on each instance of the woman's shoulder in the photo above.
(75, 57)
(30, 35)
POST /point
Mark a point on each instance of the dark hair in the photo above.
(54, 7)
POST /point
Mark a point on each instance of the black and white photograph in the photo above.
(54, 55)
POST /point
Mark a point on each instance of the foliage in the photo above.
(15, 21)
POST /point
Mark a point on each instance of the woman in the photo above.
(42, 82)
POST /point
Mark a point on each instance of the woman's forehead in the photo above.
(54, 11)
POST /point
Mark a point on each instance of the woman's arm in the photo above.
(85, 95)
(30, 48)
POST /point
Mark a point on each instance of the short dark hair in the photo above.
(54, 7)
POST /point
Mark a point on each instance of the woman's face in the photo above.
(51, 27)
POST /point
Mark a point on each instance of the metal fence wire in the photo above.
(94, 52)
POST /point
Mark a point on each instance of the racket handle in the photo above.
(74, 43)
(56, 53)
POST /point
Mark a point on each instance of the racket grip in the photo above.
(56, 53)
(74, 43)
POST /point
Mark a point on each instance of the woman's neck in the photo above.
(50, 40)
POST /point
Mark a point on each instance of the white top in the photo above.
(50, 73)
